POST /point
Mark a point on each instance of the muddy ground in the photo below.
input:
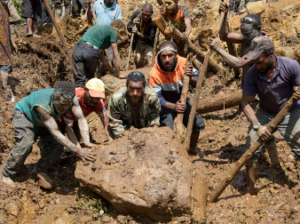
(40, 63)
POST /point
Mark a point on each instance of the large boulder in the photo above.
(148, 172)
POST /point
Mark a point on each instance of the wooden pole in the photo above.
(188, 135)
(272, 126)
(61, 36)
(178, 122)
(155, 45)
(219, 103)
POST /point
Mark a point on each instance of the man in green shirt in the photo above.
(35, 116)
(90, 48)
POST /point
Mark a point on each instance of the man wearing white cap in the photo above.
(90, 100)
(274, 79)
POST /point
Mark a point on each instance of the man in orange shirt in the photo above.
(177, 15)
(166, 78)
(90, 100)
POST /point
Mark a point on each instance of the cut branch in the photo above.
(219, 103)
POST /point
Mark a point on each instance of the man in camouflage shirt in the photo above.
(134, 105)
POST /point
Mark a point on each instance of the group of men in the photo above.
(45, 112)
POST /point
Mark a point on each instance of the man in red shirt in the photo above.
(90, 100)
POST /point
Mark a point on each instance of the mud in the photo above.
(40, 63)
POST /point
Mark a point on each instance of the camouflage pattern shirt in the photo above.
(120, 112)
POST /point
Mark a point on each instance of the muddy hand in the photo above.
(179, 107)
(89, 145)
(86, 154)
(264, 133)
(134, 29)
(223, 7)
(189, 70)
(136, 21)
(213, 41)
(296, 94)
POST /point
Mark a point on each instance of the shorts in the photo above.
(234, 5)
(5, 68)
(31, 9)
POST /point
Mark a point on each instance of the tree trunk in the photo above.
(219, 103)
(272, 126)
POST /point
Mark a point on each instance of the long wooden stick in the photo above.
(155, 45)
(272, 126)
(61, 36)
(178, 122)
(188, 135)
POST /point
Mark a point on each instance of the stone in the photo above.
(147, 172)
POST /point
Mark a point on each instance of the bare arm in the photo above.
(188, 25)
(232, 60)
(116, 59)
(82, 123)
(248, 110)
(105, 63)
(104, 120)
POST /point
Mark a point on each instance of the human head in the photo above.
(251, 26)
(261, 53)
(109, 2)
(94, 91)
(120, 28)
(135, 87)
(167, 52)
(147, 12)
(171, 5)
(63, 95)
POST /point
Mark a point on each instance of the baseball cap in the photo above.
(258, 46)
(96, 88)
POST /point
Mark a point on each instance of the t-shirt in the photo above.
(178, 19)
(99, 109)
(104, 14)
(274, 93)
(100, 36)
(41, 98)
(135, 111)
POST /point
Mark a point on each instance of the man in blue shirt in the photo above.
(107, 11)
(274, 79)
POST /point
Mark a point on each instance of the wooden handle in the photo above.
(61, 36)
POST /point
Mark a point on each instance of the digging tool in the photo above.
(61, 36)
(178, 122)
(96, 22)
(131, 41)
(155, 45)
(272, 126)
(188, 135)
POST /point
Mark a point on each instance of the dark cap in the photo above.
(258, 46)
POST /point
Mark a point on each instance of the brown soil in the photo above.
(40, 63)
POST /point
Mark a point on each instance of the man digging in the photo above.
(89, 50)
(35, 116)
(274, 79)
(144, 29)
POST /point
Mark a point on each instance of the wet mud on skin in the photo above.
(40, 63)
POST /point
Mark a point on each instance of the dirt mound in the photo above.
(143, 173)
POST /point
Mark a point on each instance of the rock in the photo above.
(106, 219)
(145, 172)
(13, 208)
